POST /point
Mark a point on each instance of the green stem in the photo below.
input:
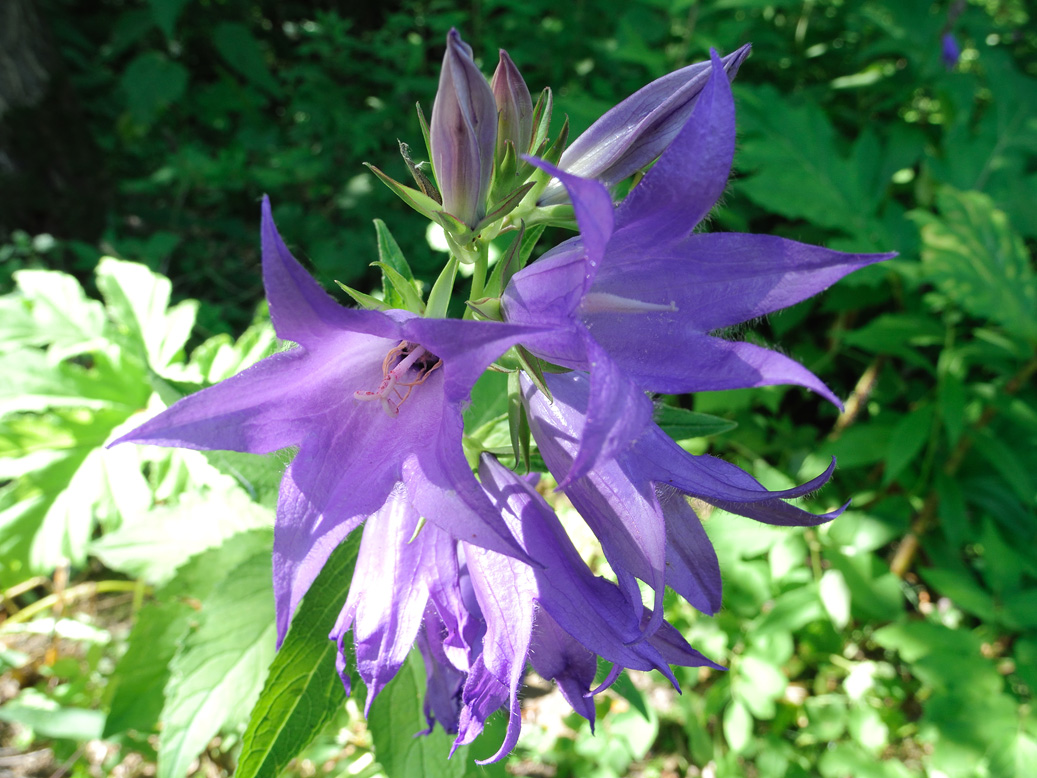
(87, 589)
(482, 261)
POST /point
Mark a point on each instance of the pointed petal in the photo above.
(256, 411)
(716, 280)
(443, 681)
(693, 362)
(682, 187)
(692, 569)
(557, 656)
(300, 308)
(617, 412)
(594, 214)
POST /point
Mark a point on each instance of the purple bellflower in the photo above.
(478, 615)
(634, 299)
(463, 133)
(635, 504)
(372, 401)
(950, 51)
(638, 129)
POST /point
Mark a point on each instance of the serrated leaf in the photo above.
(681, 424)
(978, 262)
(140, 678)
(154, 546)
(303, 691)
(218, 673)
(50, 309)
(138, 301)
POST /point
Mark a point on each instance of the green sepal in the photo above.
(518, 422)
(455, 229)
(389, 252)
(534, 369)
(406, 290)
(504, 207)
(542, 119)
(505, 172)
(424, 183)
(364, 300)
(487, 308)
(554, 153)
(439, 297)
(421, 203)
(425, 132)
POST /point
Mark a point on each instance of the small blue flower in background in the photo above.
(950, 51)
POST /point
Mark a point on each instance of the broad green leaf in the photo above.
(978, 262)
(140, 678)
(738, 726)
(681, 424)
(48, 718)
(303, 691)
(153, 546)
(243, 53)
(166, 12)
(151, 83)
(30, 382)
(835, 596)
(758, 683)
(138, 301)
(218, 673)
(50, 309)
(396, 717)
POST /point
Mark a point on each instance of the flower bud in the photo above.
(463, 133)
(637, 130)
(514, 106)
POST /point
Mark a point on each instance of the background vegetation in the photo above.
(901, 640)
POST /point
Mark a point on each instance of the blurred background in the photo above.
(899, 641)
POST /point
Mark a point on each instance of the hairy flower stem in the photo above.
(482, 261)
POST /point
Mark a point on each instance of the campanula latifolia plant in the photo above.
(461, 554)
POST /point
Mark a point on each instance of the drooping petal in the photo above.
(617, 412)
(637, 130)
(388, 593)
(559, 657)
(692, 569)
(443, 681)
(682, 187)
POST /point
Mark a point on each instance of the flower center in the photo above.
(394, 390)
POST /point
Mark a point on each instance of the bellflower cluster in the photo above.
(475, 568)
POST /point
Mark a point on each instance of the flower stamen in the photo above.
(388, 392)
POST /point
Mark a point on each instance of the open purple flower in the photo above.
(372, 401)
(637, 130)
(634, 501)
(634, 299)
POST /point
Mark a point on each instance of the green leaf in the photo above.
(978, 262)
(396, 717)
(143, 672)
(403, 293)
(152, 83)
(908, 439)
(50, 309)
(138, 300)
(47, 718)
(218, 673)
(303, 691)
(153, 546)
(835, 596)
(389, 251)
(738, 726)
(681, 424)
(758, 684)
(243, 53)
(166, 12)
